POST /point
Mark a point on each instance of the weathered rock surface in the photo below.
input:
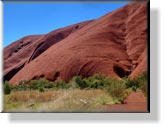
(114, 45)
(21, 52)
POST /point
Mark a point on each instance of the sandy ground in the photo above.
(135, 102)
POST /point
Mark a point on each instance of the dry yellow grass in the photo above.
(57, 101)
(24, 96)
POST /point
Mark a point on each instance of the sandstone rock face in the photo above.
(114, 45)
(28, 48)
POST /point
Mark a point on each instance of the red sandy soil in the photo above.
(114, 45)
(135, 102)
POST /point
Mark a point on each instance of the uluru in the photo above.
(114, 45)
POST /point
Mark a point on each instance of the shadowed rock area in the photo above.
(114, 44)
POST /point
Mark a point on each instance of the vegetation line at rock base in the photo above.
(113, 86)
(79, 94)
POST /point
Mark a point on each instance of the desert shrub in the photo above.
(41, 89)
(23, 85)
(143, 82)
(116, 88)
(7, 87)
(139, 82)
(40, 84)
(61, 84)
(80, 83)
(132, 83)
(33, 85)
(74, 83)
(143, 76)
(86, 83)
(96, 81)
